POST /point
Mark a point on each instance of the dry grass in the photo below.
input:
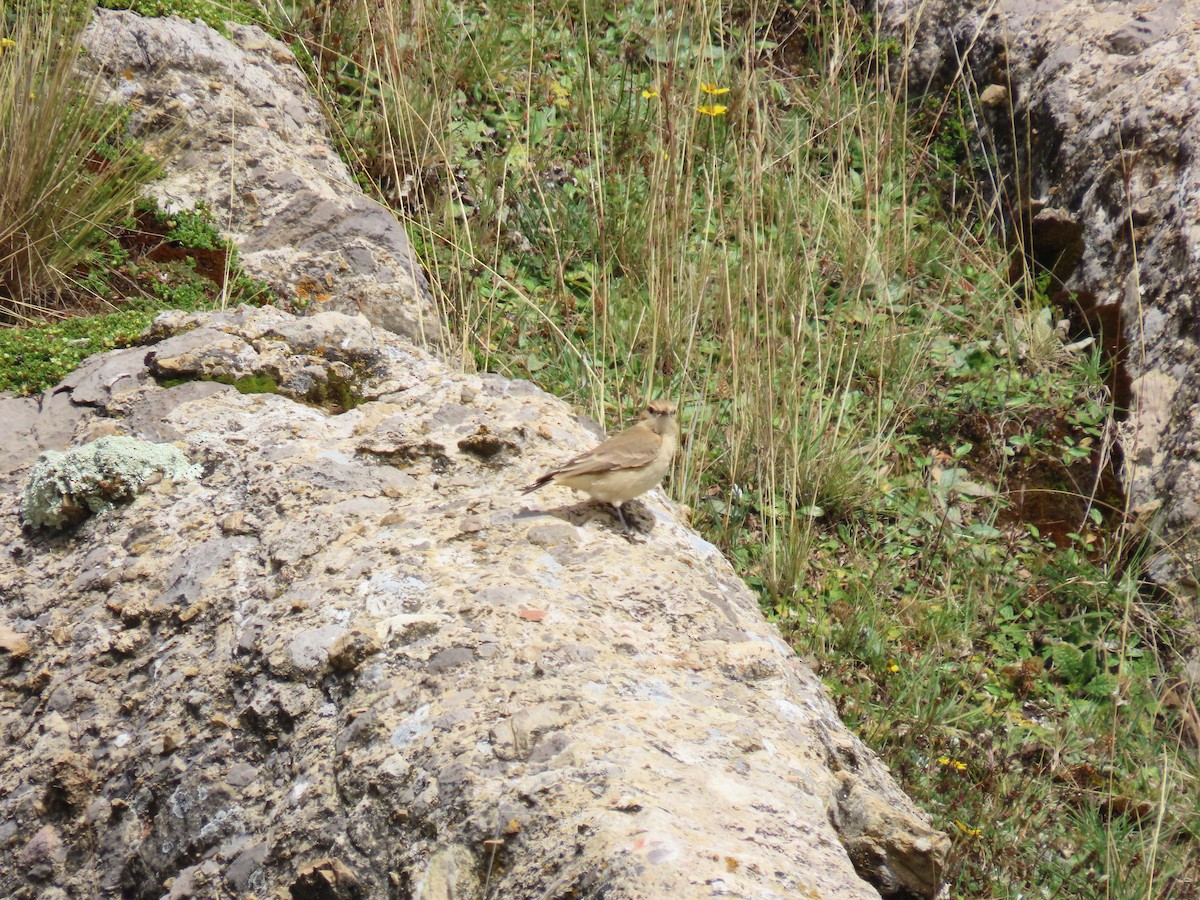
(67, 176)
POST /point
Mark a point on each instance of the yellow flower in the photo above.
(892, 667)
(6, 44)
(954, 764)
(649, 94)
(713, 109)
(711, 88)
(969, 832)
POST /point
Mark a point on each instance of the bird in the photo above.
(627, 464)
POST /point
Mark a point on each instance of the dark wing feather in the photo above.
(541, 482)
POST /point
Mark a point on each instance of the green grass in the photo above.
(726, 205)
(78, 245)
(149, 264)
(214, 13)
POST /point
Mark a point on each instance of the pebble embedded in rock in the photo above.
(15, 645)
(553, 534)
(325, 879)
(450, 659)
(351, 649)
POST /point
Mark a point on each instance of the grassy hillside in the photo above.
(727, 205)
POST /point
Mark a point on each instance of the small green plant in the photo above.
(194, 228)
(37, 357)
(214, 13)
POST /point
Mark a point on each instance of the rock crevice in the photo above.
(1094, 112)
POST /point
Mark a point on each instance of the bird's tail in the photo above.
(541, 482)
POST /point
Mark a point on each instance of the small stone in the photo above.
(489, 446)
(99, 811)
(13, 643)
(310, 649)
(128, 642)
(532, 615)
(553, 534)
(242, 869)
(242, 775)
(240, 522)
(72, 779)
(349, 651)
(994, 95)
(325, 879)
(472, 525)
(42, 853)
(450, 659)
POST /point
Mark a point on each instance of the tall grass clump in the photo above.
(66, 174)
(731, 206)
(625, 201)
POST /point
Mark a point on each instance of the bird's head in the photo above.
(662, 416)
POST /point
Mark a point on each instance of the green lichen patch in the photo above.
(65, 488)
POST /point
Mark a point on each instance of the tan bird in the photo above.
(627, 464)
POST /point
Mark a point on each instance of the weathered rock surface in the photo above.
(248, 140)
(351, 659)
(1095, 109)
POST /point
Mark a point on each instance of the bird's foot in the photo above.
(629, 533)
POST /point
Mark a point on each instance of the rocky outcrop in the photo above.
(1093, 108)
(348, 658)
(246, 138)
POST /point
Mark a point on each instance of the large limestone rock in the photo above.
(349, 658)
(1095, 110)
(245, 137)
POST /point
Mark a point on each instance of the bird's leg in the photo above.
(624, 524)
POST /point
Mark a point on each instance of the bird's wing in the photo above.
(630, 449)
